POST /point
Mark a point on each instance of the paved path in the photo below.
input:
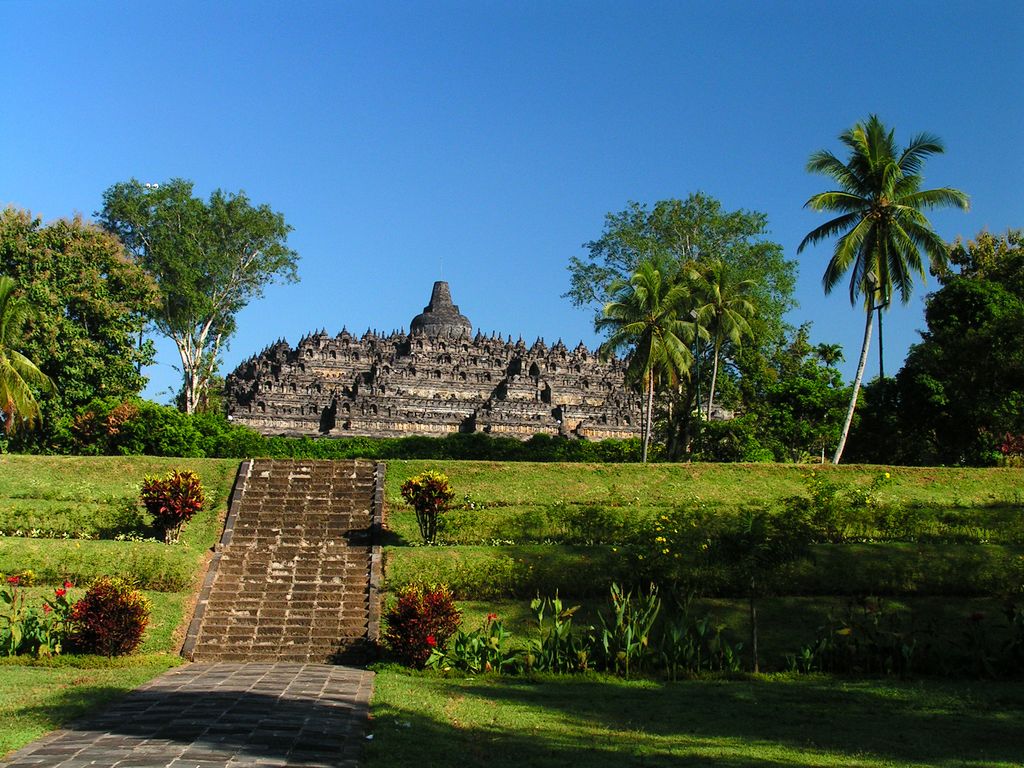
(220, 716)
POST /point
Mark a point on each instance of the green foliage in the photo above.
(556, 648)
(481, 650)
(624, 642)
(172, 500)
(14, 613)
(18, 374)
(430, 494)
(420, 622)
(208, 259)
(110, 619)
(797, 403)
(956, 406)
(89, 303)
(693, 646)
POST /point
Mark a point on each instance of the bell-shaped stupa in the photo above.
(441, 318)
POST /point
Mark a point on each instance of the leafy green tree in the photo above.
(208, 258)
(643, 318)
(880, 227)
(725, 307)
(89, 302)
(684, 235)
(961, 389)
(18, 374)
(800, 410)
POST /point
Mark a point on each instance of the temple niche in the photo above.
(437, 379)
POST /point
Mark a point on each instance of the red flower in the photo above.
(68, 585)
(46, 608)
(60, 591)
(431, 641)
(15, 580)
(492, 617)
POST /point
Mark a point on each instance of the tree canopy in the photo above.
(89, 303)
(209, 259)
(961, 390)
(739, 282)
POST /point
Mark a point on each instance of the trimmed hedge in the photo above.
(482, 572)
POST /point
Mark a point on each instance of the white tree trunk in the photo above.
(856, 387)
(714, 379)
(649, 408)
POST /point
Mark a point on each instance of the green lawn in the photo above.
(596, 721)
(37, 699)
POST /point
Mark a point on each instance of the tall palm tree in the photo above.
(18, 374)
(880, 225)
(725, 307)
(643, 317)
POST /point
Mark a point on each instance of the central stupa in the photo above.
(440, 318)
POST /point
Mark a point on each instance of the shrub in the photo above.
(430, 494)
(110, 619)
(423, 619)
(173, 501)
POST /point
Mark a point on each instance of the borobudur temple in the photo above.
(437, 379)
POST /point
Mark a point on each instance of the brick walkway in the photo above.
(220, 716)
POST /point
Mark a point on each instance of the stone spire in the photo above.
(440, 317)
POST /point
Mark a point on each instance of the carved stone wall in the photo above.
(436, 380)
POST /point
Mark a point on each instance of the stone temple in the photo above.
(437, 379)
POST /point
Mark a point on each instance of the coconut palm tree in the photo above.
(643, 318)
(725, 306)
(880, 227)
(18, 374)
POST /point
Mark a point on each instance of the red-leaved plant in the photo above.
(430, 494)
(423, 619)
(173, 501)
(110, 619)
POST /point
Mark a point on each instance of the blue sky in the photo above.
(483, 142)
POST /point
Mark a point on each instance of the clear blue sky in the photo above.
(485, 141)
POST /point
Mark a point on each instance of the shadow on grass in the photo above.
(722, 723)
(215, 717)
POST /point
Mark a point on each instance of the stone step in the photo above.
(292, 583)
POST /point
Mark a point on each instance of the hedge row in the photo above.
(482, 572)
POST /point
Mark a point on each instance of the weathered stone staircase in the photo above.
(296, 574)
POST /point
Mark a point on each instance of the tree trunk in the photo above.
(714, 378)
(753, 626)
(649, 408)
(856, 385)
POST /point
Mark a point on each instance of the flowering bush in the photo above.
(430, 494)
(1012, 450)
(110, 619)
(422, 620)
(28, 629)
(173, 501)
